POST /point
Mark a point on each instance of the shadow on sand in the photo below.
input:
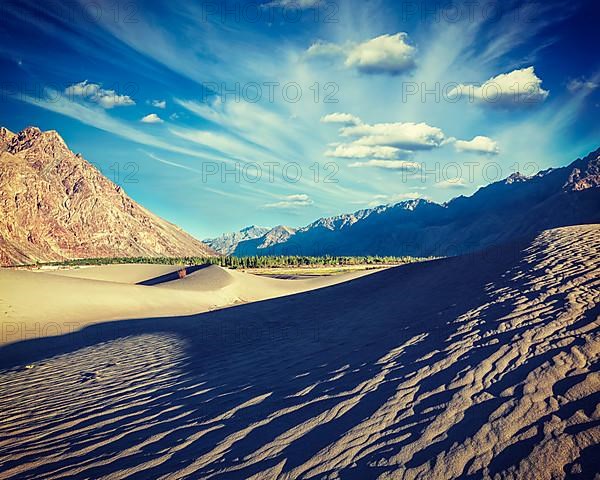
(301, 356)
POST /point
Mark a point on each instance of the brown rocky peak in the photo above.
(24, 139)
(30, 131)
(5, 133)
(55, 205)
(39, 146)
(52, 136)
(585, 174)
(5, 137)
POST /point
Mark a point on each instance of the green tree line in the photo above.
(246, 262)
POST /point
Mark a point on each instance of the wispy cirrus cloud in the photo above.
(171, 51)
(354, 150)
(242, 130)
(98, 118)
(162, 104)
(199, 172)
(577, 84)
(387, 165)
(292, 4)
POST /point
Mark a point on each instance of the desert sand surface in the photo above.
(41, 303)
(484, 366)
(127, 273)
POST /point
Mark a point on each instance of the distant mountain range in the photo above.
(497, 213)
(55, 205)
(227, 243)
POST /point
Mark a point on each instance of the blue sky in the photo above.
(338, 105)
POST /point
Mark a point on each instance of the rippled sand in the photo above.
(483, 366)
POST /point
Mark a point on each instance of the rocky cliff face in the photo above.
(5, 137)
(55, 205)
(584, 174)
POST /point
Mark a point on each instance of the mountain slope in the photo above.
(227, 243)
(500, 212)
(55, 205)
(275, 236)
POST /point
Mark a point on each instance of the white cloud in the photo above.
(99, 118)
(577, 84)
(343, 118)
(292, 201)
(152, 118)
(94, 92)
(452, 49)
(407, 136)
(325, 49)
(388, 164)
(159, 104)
(384, 54)
(389, 54)
(519, 87)
(353, 150)
(478, 144)
(293, 4)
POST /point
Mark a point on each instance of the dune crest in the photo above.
(67, 300)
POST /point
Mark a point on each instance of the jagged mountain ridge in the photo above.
(54, 205)
(498, 213)
(227, 243)
(275, 236)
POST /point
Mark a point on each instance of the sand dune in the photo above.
(131, 273)
(483, 366)
(253, 287)
(66, 300)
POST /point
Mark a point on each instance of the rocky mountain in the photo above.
(500, 212)
(276, 236)
(55, 205)
(5, 137)
(227, 243)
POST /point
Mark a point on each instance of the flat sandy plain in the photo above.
(481, 366)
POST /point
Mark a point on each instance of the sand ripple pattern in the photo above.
(476, 367)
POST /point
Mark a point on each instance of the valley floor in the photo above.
(484, 366)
